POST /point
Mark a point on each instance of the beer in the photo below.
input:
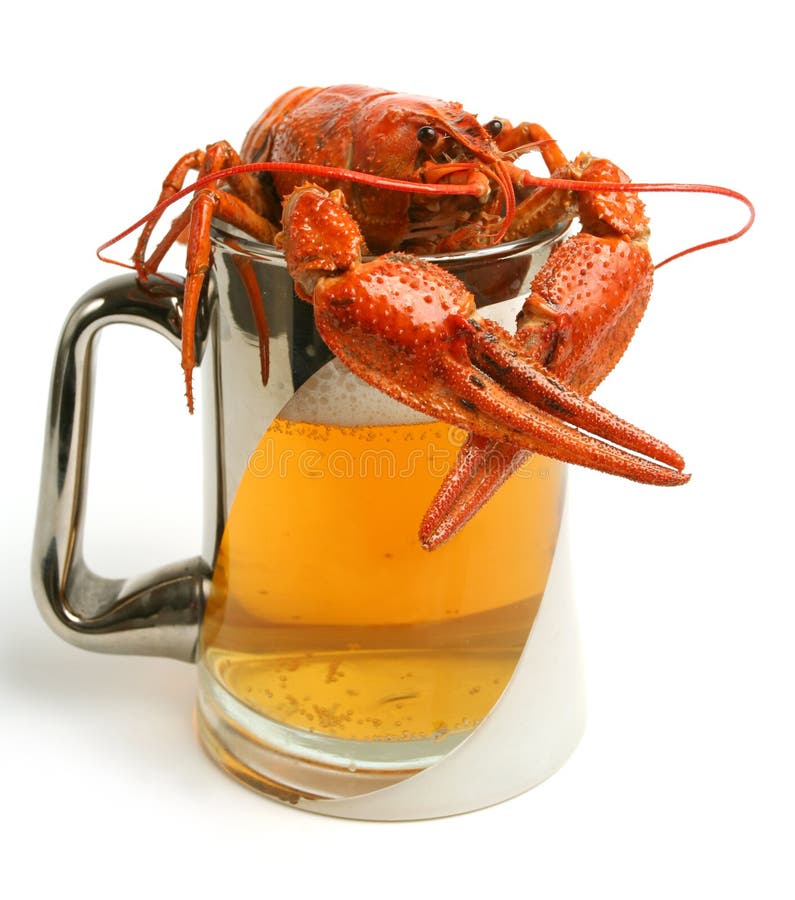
(328, 619)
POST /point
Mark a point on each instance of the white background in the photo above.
(683, 784)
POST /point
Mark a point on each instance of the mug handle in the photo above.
(156, 614)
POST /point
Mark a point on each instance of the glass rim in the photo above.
(229, 237)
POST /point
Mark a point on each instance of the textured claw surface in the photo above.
(499, 355)
(390, 320)
(482, 466)
(492, 411)
(584, 307)
(322, 238)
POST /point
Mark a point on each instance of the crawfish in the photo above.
(411, 329)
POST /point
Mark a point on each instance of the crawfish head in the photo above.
(399, 136)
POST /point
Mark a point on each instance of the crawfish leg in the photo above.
(171, 185)
(530, 136)
(249, 279)
(216, 158)
(537, 208)
(151, 264)
(206, 205)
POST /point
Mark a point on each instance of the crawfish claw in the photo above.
(490, 410)
(480, 469)
(504, 358)
(410, 329)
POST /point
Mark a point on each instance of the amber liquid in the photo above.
(327, 617)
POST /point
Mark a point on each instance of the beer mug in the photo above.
(341, 667)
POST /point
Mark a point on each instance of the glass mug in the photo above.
(341, 667)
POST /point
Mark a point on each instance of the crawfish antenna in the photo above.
(723, 192)
(639, 187)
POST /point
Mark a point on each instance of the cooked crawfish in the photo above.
(408, 327)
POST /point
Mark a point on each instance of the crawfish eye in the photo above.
(427, 134)
(494, 127)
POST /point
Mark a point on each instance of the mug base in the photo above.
(288, 765)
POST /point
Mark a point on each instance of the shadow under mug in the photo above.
(342, 668)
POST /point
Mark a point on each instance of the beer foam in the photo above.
(335, 396)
